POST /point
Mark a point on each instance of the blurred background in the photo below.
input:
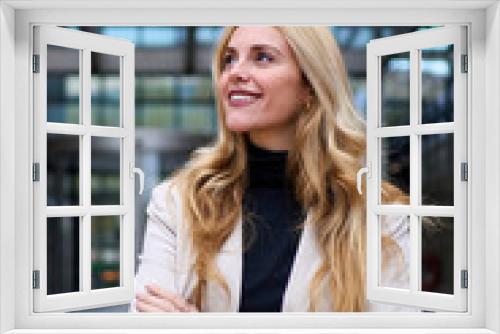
(174, 114)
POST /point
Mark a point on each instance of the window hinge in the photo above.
(465, 279)
(464, 171)
(465, 67)
(36, 279)
(36, 171)
(36, 63)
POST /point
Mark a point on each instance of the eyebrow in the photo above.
(255, 47)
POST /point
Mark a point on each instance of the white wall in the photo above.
(7, 175)
(493, 167)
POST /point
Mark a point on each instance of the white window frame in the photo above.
(413, 44)
(18, 16)
(85, 43)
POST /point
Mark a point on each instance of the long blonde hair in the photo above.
(328, 150)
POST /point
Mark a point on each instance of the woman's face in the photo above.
(260, 85)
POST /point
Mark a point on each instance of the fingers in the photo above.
(149, 303)
(177, 301)
(143, 306)
(156, 299)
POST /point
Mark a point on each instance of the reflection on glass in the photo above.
(147, 37)
(437, 84)
(197, 118)
(105, 163)
(105, 89)
(437, 254)
(63, 159)
(154, 88)
(437, 169)
(395, 251)
(163, 36)
(207, 35)
(105, 253)
(395, 170)
(63, 255)
(155, 115)
(63, 84)
(195, 88)
(395, 104)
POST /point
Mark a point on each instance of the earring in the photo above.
(308, 104)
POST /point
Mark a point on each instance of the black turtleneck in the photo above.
(270, 233)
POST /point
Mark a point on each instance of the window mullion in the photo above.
(415, 176)
(85, 241)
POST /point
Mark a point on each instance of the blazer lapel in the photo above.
(229, 262)
(307, 261)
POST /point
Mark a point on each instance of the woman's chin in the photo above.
(239, 125)
(239, 128)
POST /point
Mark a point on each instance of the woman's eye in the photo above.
(227, 59)
(262, 56)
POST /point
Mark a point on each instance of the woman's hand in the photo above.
(156, 299)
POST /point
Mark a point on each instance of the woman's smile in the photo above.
(241, 98)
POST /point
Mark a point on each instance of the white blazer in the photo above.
(167, 257)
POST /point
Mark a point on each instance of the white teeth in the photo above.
(242, 97)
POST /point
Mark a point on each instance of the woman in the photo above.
(268, 218)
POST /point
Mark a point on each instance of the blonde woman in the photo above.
(268, 219)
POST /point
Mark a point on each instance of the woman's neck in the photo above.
(274, 139)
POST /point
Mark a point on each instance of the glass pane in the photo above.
(105, 171)
(158, 88)
(163, 36)
(63, 169)
(105, 89)
(395, 104)
(63, 84)
(437, 254)
(395, 251)
(437, 169)
(395, 170)
(63, 255)
(437, 84)
(156, 115)
(197, 118)
(105, 238)
(195, 88)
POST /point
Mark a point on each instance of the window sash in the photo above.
(412, 43)
(86, 297)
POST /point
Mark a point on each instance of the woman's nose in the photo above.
(239, 71)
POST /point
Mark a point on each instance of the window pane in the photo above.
(63, 255)
(437, 84)
(105, 171)
(156, 88)
(105, 237)
(156, 115)
(437, 254)
(437, 169)
(63, 169)
(395, 251)
(207, 35)
(63, 84)
(198, 118)
(395, 170)
(163, 36)
(395, 89)
(195, 88)
(105, 89)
